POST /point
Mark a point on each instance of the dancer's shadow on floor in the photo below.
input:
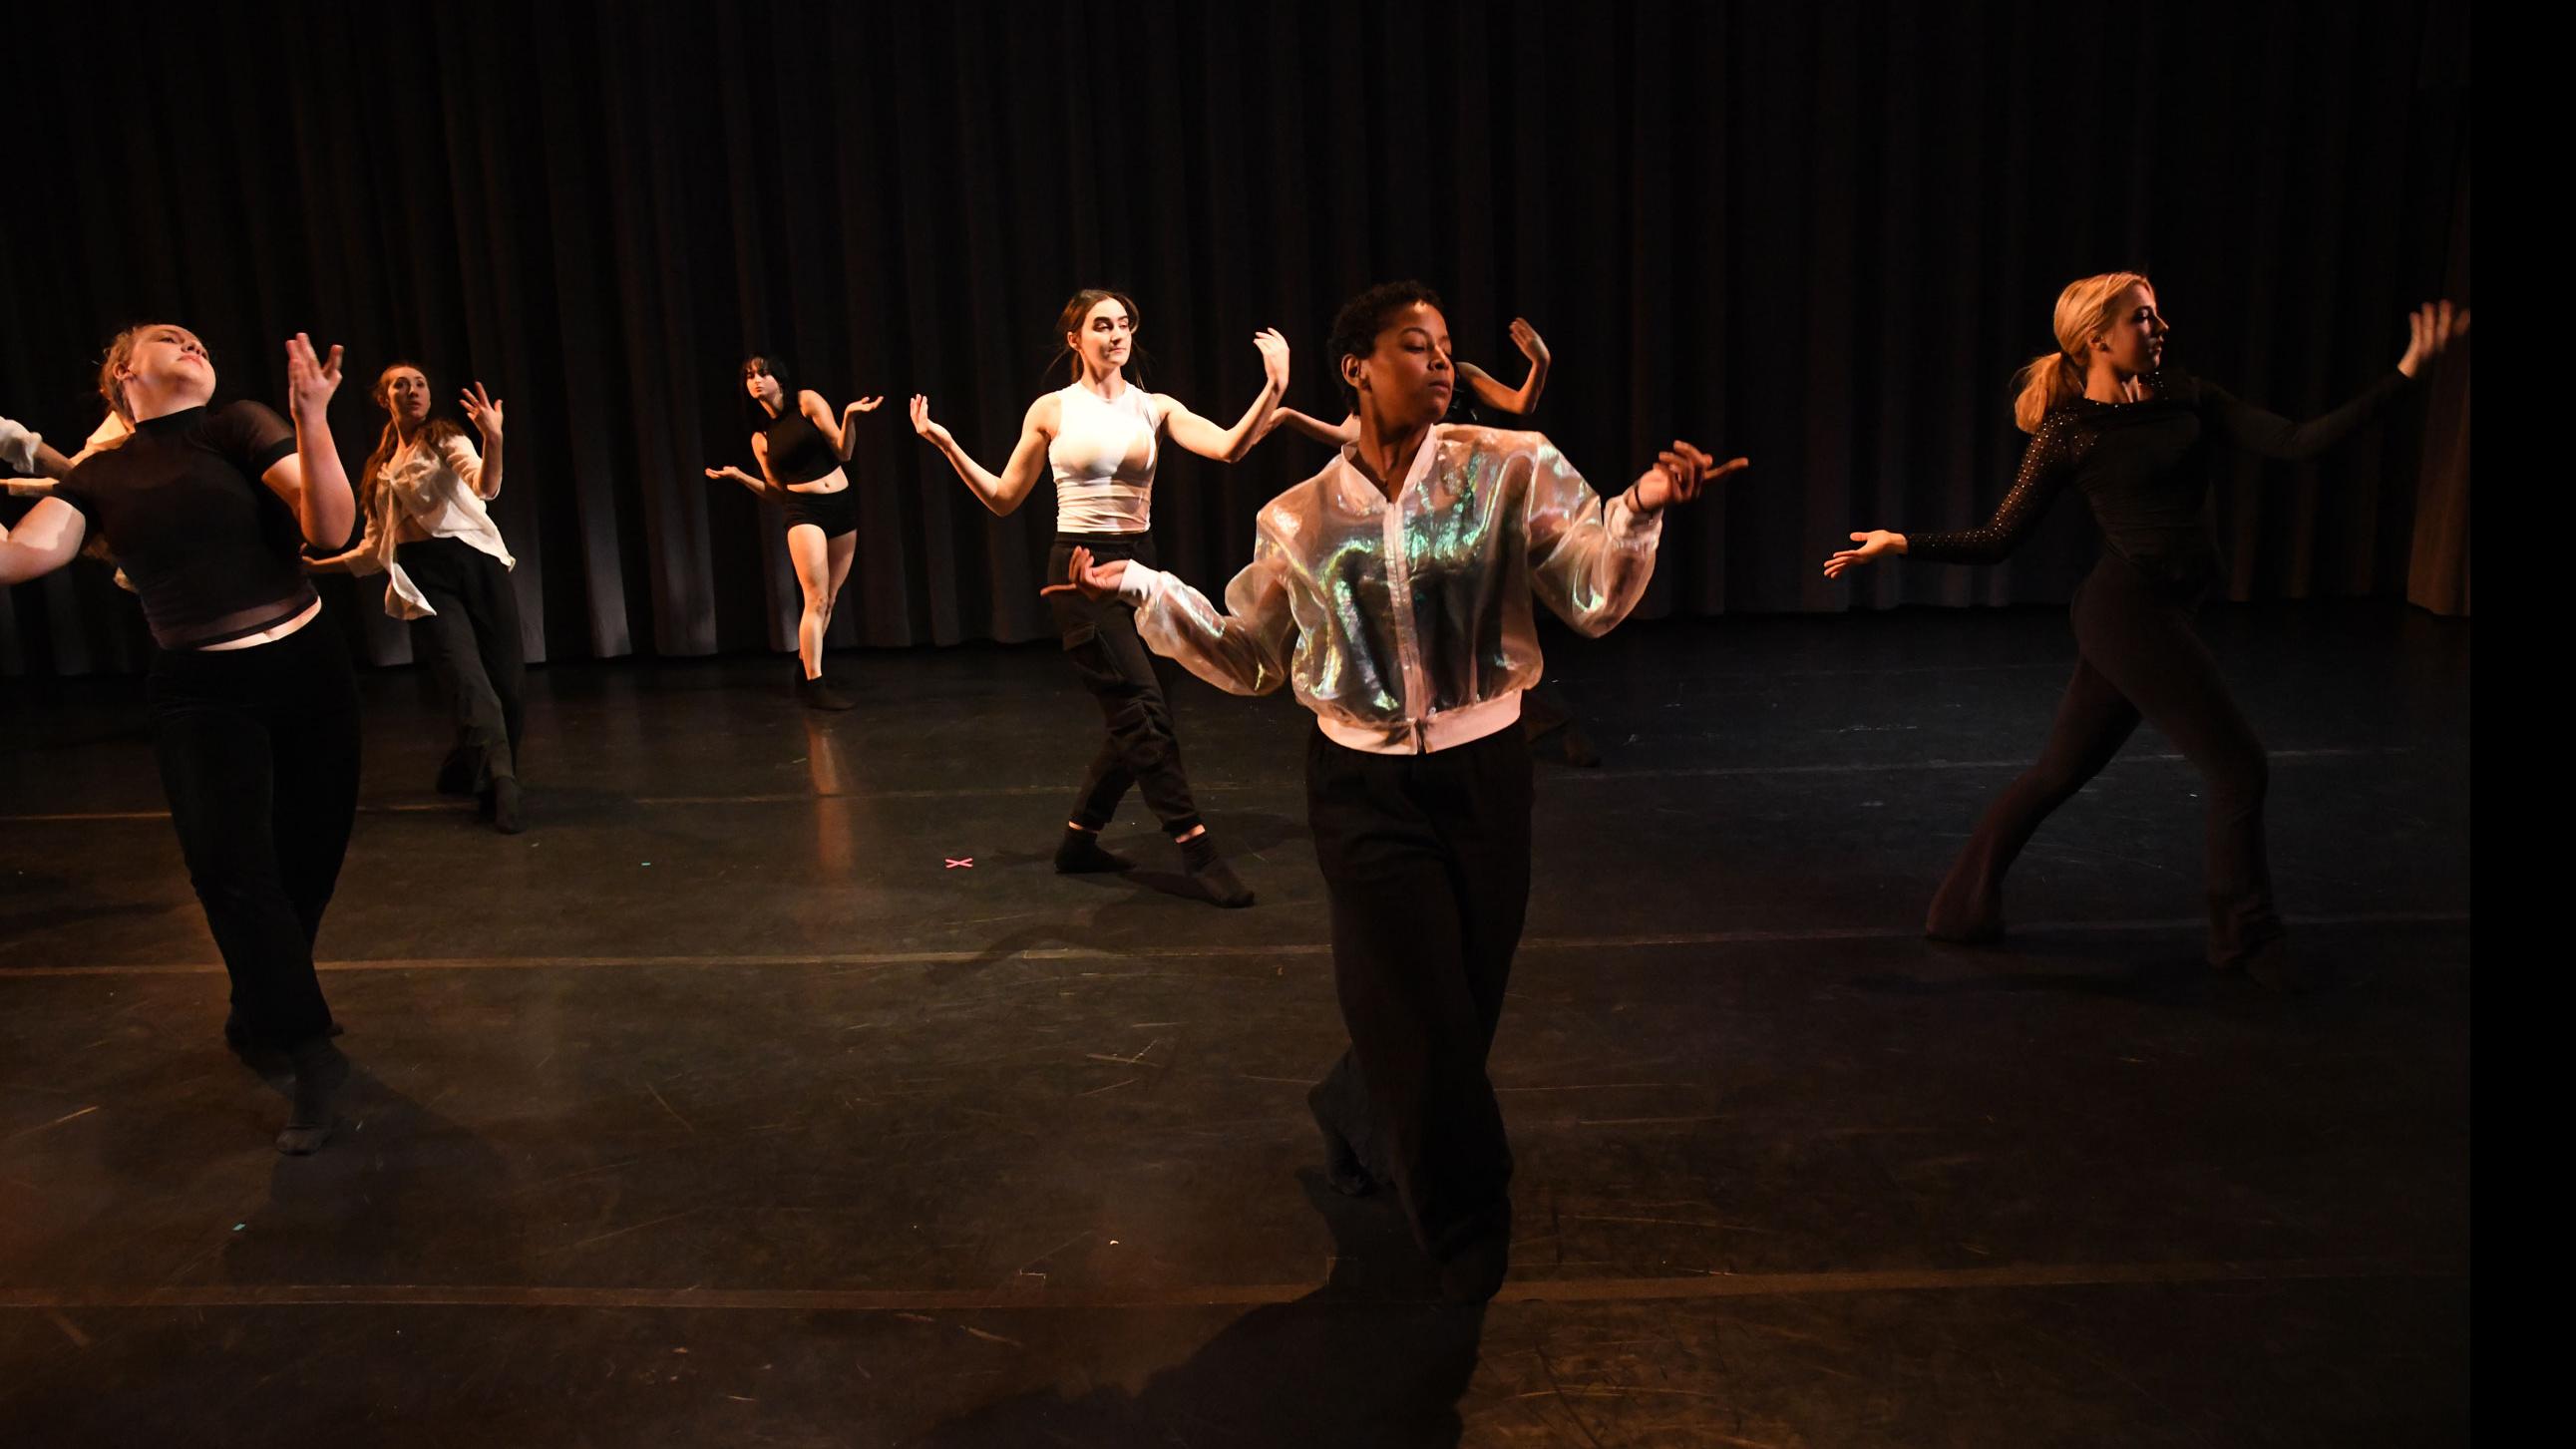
(395, 1190)
(2145, 969)
(1364, 1362)
(32, 904)
(547, 806)
(1246, 832)
(1134, 919)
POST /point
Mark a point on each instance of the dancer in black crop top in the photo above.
(2108, 421)
(254, 712)
(800, 450)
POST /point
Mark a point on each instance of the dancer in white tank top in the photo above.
(1100, 438)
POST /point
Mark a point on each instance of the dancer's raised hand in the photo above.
(1274, 357)
(1678, 475)
(922, 424)
(863, 405)
(1089, 579)
(484, 411)
(2434, 327)
(1873, 544)
(1526, 338)
(310, 379)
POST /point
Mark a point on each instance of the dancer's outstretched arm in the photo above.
(835, 431)
(1309, 426)
(2047, 465)
(1006, 491)
(763, 486)
(1228, 444)
(1591, 558)
(2434, 327)
(1523, 400)
(1242, 650)
(45, 540)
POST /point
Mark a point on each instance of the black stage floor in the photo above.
(718, 1109)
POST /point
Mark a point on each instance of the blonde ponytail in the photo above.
(2053, 379)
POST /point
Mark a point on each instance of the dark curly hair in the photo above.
(1362, 318)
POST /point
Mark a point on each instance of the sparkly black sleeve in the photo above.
(2046, 466)
(2270, 435)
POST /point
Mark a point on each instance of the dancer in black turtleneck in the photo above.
(2136, 440)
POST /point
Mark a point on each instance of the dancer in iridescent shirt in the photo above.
(1391, 592)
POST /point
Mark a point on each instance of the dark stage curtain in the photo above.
(1819, 234)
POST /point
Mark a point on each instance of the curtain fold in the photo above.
(1822, 235)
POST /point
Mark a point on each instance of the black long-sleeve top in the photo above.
(2144, 468)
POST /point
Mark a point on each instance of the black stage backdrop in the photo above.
(1822, 235)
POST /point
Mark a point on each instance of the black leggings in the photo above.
(1426, 859)
(472, 647)
(258, 750)
(2139, 659)
(1100, 638)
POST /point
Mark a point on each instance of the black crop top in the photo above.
(214, 552)
(2144, 468)
(797, 452)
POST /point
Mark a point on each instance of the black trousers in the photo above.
(1142, 750)
(473, 649)
(2139, 660)
(1426, 859)
(258, 750)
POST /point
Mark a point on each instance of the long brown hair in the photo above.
(432, 429)
(1070, 320)
(2083, 313)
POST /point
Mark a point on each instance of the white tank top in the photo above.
(1103, 457)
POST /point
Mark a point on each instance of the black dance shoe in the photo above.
(1081, 853)
(507, 808)
(320, 1072)
(1342, 1167)
(1215, 880)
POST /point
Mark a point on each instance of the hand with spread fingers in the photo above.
(310, 379)
(1526, 338)
(2433, 328)
(484, 411)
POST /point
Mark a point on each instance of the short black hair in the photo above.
(1362, 318)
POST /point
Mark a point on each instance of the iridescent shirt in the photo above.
(1406, 625)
